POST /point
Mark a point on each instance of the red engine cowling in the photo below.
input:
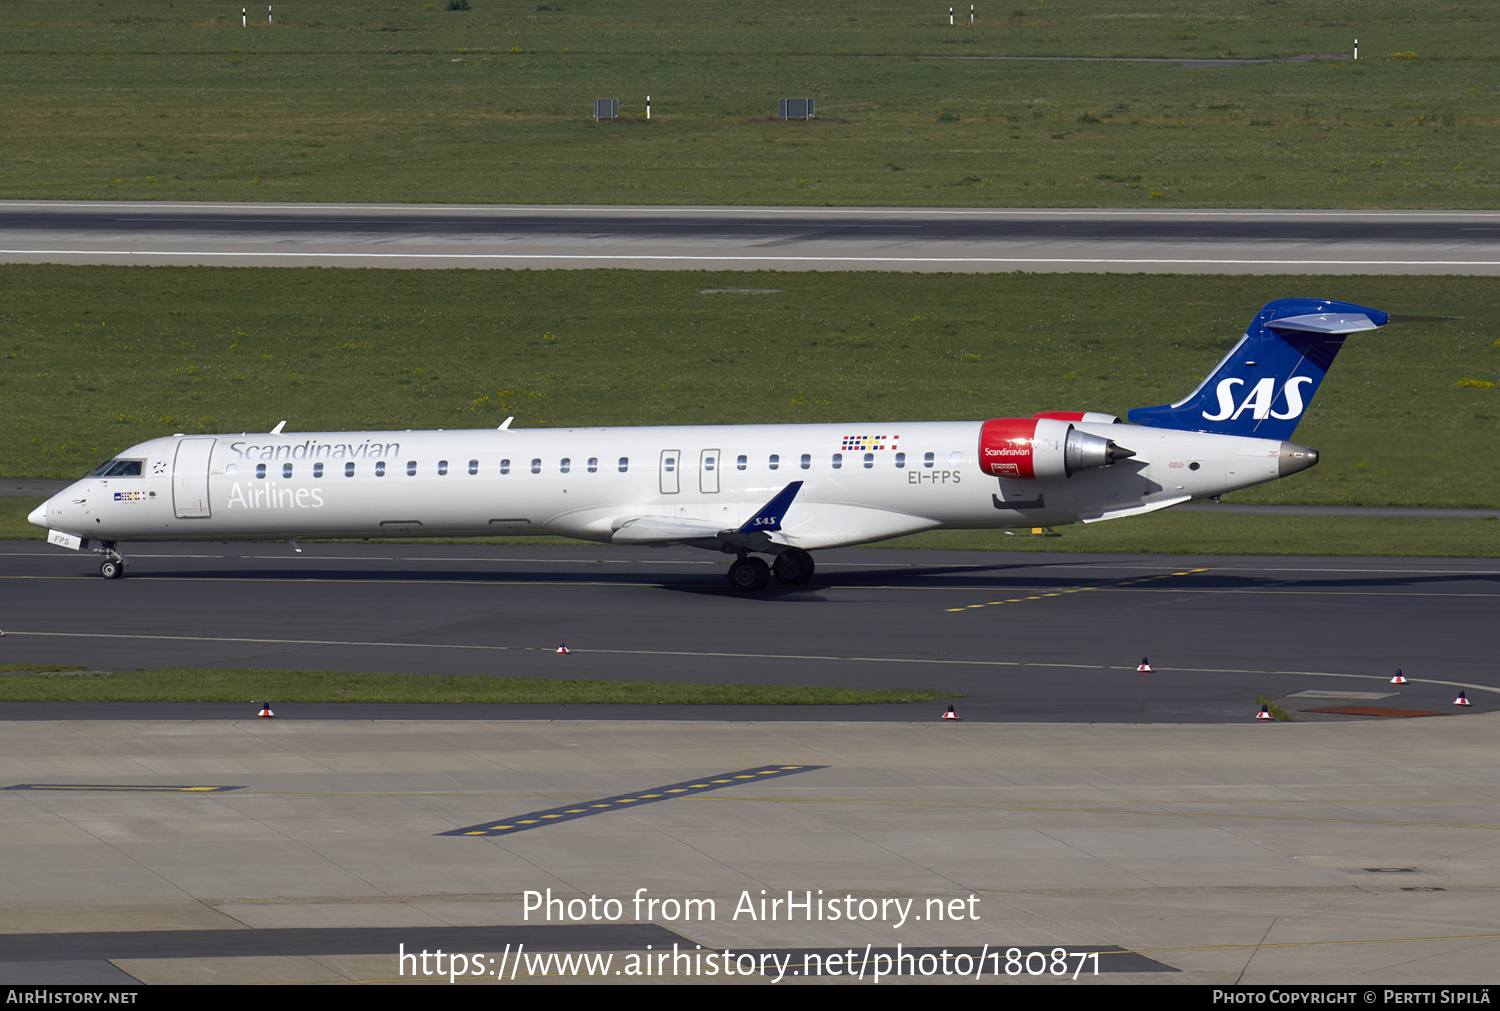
(1041, 448)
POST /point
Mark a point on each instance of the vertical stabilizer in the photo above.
(1263, 386)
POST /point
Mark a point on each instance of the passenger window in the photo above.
(775, 461)
(900, 460)
(260, 471)
(317, 470)
(231, 470)
(741, 462)
(869, 460)
(708, 463)
(624, 464)
(536, 465)
(955, 458)
(593, 464)
(669, 463)
(442, 468)
(380, 468)
(473, 466)
(927, 459)
(504, 466)
(806, 461)
(411, 468)
(286, 470)
(838, 461)
(566, 465)
(348, 470)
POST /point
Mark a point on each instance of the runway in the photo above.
(1082, 819)
(738, 238)
(1020, 636)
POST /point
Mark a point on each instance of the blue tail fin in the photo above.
(1262, 386)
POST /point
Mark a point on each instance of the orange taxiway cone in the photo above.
(1399, 679)
(950, 714)
(561, 649)
(1264, 714)
(1462, 700)
(265, 711)
(1145, 667)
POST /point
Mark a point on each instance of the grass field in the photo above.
(95, 359)
(406, 101)
(206, 684)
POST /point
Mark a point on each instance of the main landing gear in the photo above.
(791, 567)
(113, 566)
(749, 574)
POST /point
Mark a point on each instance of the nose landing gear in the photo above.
(113, 566)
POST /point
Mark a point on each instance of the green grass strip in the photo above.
(206, 684)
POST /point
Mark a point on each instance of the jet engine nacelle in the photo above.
(1042, 448)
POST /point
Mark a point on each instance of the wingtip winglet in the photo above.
(769, 516)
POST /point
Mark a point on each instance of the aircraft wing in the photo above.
(663, 530)
(752, 534)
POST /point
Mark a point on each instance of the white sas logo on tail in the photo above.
(1259, 400)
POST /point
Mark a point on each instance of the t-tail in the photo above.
(1264, 385)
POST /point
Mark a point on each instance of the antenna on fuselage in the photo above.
(505, 426)
(279, 426)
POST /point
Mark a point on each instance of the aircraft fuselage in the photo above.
(860, 482)
(779, 490)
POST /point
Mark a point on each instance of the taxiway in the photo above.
(739, 238)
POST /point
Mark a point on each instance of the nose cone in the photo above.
(38, 516)
(1296, 458)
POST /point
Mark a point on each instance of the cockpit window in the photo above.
(118, 468)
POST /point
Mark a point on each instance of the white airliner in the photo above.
(777, 490)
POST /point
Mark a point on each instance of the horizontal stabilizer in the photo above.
(1323, 322)
(1140, 510)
